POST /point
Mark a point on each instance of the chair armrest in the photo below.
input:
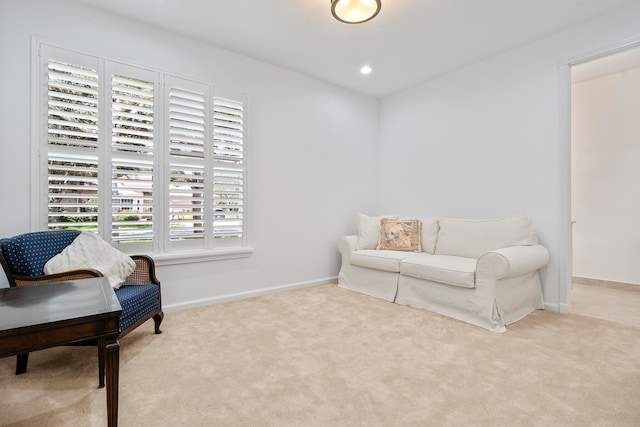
(85, 273)
(144, 273)
(513, 261)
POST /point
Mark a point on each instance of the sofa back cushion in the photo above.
(472, 237)
(430, 229)
(369, 230)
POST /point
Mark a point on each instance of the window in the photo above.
(151, 162)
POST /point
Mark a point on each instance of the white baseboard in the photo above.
(242, 295)
(552, 306)
(558, 308)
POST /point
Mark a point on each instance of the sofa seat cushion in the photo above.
(452, 270)
(384, 260)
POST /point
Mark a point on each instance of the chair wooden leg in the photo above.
(100, 365)
(21, 363)
(157, 319)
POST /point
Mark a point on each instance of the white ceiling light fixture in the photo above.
(355, 11)
(366, 69)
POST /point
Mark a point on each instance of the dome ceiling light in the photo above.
(355, 11)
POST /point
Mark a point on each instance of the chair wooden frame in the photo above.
(144, 273)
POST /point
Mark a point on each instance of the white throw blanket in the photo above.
(88, 250)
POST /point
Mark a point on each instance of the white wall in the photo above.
(484, 141)
(605, 176)
(313, 146)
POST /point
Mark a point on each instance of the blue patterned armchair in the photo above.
(23, 258)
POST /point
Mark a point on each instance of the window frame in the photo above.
(161, 248)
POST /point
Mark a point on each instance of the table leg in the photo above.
(21, 363)
(112, 356)
(101, 348)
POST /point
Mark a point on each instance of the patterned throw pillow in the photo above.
(400, 235)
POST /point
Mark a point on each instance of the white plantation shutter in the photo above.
(132, 149)
(228, 168)
(187, 212)
(72, 146)
(149, 161)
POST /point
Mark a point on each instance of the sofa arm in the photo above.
(513, 261)
(346, 245)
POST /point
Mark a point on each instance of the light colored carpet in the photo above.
(609, 303)
(324, 356)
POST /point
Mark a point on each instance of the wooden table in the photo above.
(41, 316)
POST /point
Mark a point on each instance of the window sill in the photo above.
(188, 257)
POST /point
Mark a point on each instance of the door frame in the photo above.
(564, 92)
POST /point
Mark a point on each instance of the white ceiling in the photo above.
(408, 42)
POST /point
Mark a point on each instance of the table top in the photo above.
(27, 306)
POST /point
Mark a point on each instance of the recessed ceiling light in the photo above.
(366, 69)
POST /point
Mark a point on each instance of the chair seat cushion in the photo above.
(137, 302)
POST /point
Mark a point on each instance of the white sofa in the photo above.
(484, 272)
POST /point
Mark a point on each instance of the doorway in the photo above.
(605, 149)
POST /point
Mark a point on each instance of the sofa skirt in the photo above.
(514, 299)
(375, 283)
